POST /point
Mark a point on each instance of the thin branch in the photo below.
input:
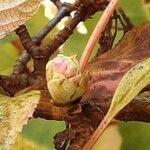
(14, 83)
(82, 13)
(116, 28)
(38, 55)
(64, 34)
(105, 39)
(57, 3)
(127, 21)
(27, 42)
(21, 64)
(65, 10)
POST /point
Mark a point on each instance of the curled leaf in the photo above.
(15, 13)
(131, 84)
(14, 113)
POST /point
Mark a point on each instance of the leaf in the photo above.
(14, 113)
(7, 50)
(15, 13)
(132, 132)
(131, 84)
(23, 143)
(136, 18)
(110, 140)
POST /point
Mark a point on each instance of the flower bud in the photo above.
(65, 81)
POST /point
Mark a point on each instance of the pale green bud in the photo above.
(65, 81)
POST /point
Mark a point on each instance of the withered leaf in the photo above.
(107, 70)
(130, 85)
(14, 113)
(15, 13)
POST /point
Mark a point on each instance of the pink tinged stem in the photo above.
(97, 33)
(98, 132)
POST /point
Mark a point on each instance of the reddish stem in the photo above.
(97, 32)
(98, 132)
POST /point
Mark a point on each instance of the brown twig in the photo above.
(116, 28)
(137, 110)
(106, 39)
(82, 13)
(41, 56)
(37, 54)
(58, 3)
(127, 21)
(14, 83)
(64, 10)
(21, 64)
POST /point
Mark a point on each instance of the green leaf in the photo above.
(23, 143)
(132, 6)
(7, 50)
(132, 132)
(14, 113)
(42, 131)
(131, 84)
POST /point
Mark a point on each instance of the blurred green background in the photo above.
(135, 135)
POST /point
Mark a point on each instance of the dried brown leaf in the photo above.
(15, 13)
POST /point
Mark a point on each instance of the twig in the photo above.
(41, 56)
(38, 55)
(14, 83)
(57, 3)
(97, 32)
(21, 64)
(116, 28)
(81, 14)
(137, 110)
(105, 39)
(63, 35)
(128, 24)
(65, 10)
